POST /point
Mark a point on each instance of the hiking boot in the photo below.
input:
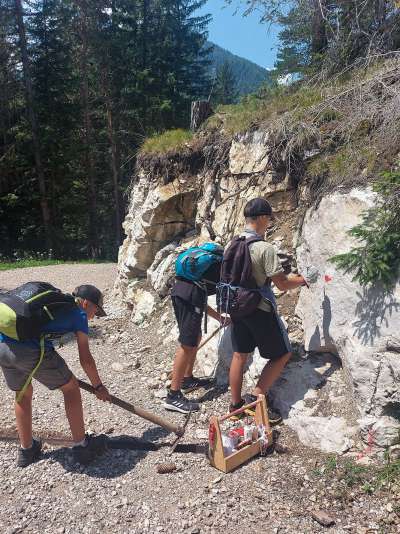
(274, 415)
(95, 446)
(248, 399)
(177, 402)
(26, 457)
(190, 383)
(234, 407)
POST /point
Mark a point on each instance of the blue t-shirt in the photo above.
(74, 320)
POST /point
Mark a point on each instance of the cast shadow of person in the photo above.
(325, 343)
(300, 378)
(113, 463)
(374, 311)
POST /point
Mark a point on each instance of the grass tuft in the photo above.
(168, 141)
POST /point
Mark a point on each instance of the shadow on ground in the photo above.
(124, 453)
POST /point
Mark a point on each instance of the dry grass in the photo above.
(254, 111)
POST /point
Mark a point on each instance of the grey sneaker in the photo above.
(178, 403)
(96, 446)
(190, 383)
(26, 457)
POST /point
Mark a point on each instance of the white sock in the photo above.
(26, 448)
(82, 443)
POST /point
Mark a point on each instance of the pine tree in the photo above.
(31, 105)
(225, 85)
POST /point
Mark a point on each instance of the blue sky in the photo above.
(243, 36)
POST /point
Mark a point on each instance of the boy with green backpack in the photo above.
(29, 316)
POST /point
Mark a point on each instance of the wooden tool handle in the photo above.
(209, 337)
(144, 414)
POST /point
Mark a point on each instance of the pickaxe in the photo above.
(144, 414)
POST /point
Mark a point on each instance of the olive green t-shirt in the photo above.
(265, 264)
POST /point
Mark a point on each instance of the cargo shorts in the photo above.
(17, 362)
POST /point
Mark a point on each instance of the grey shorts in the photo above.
(17, 362)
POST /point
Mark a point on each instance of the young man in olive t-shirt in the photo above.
(262, 328)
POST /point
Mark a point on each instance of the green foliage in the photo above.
(329, 36)
(389, 474)
(377, 258)
(328, 468)
(353, 474)
(225, 91)
(21, 264)
(168, 141)
(105, 75)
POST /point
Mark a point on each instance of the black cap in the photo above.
(93, 295)
(256, 207)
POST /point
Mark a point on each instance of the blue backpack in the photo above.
(194, 262)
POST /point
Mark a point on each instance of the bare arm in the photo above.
(285, 282)
(89, 365)
(215, 315)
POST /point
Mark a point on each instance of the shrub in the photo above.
(377, 258)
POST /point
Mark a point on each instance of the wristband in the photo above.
(98, 387)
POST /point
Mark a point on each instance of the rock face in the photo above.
(172, 209)
(157, 214)
(191, 209)
(361, 325)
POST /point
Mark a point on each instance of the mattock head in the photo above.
(180, 433)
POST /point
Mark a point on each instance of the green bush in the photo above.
(377, 258)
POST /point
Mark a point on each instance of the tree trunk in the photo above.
(200, 111)
(33, 121)
(93, 244)
(318, 28)
(114, 167)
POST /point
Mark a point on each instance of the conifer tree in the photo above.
(225, 85)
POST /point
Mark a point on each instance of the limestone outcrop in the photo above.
(351, 333)
(361, 325)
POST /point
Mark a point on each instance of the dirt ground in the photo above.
(122, 492)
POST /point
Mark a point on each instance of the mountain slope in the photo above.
(249, 76)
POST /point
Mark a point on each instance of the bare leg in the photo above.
(184, 362)
(191, 360)
(236, 375)
(23, 416)
(74, 410)
(270, 373)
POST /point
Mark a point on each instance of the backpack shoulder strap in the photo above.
(253, 239)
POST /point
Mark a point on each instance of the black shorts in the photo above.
(260, 329)
(189, 319)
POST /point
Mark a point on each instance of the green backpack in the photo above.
(26, 310)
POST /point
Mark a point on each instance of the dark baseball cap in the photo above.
(257, 207)
(93, 295)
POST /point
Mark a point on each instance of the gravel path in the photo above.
(64, 276)
(122, 492)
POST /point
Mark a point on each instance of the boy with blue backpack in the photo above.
(197, 274)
